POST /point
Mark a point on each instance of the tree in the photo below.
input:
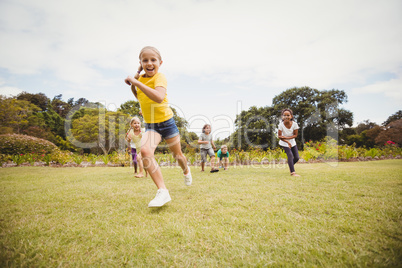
(371, 135)
(38, 99)
(80, 102)
(98, 129)
(365, 125)
(396, 116)
(255, 128)
(59, 106)
(317, 112)
(15, 115)
(54, 122)
(392, 132)
(131, 108)
(363, 135)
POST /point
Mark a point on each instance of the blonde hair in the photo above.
(224, 146)
(135, 118)
(137, 75)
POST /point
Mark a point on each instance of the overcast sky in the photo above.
(220, 57)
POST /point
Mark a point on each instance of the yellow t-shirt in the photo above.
(135, 139)
(152, 111)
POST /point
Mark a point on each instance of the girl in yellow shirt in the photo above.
(150, 90)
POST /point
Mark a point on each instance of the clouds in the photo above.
(391, 88)
(87, 47)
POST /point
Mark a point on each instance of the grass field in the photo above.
(345, 214)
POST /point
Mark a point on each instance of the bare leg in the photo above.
(202, 166)
(141, 166)
(212, 162)
(149, 142)
(135, 168)
(175, 147)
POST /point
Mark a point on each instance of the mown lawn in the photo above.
(336, 214)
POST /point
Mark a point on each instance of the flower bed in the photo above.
(324, 151)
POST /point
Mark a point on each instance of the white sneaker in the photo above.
(187, 178)
(161, 198)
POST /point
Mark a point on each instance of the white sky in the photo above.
(220, 57)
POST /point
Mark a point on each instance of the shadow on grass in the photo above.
(158, 210)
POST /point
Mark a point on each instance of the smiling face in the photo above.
(286, 116)
(136, 124)
(207, 129)
(150, 62)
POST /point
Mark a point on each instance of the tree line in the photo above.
(319, 114)
(75, 125)
(81, 125)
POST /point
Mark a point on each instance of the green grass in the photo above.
(345, 214)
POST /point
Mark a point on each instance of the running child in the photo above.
(287, 132)
(133, 137)
(150, 90)
(223, 156)
(206, 144)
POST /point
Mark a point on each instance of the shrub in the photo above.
(92, 158)
(18, 159)
(77, 159)
(121, 158)
(47, 159)
(61, 157)
(105, 158)
(347, 152)
(14, 144)
(4, 158)
(373, 152)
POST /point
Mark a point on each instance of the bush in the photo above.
(62, 157)
(14, 144)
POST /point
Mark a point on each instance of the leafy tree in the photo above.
(365, 125)
(180, 121)
(15, 114)
(392, 132)
(255, 128)
(192, 136)
(363, 135)
(80, 102)
(131, 108)
(38, 99)
(371, 135)
(302, 101)
(98, 129)
(317, 112)
(59, 106)
(54, 122)
(345, 133)
(396, 116)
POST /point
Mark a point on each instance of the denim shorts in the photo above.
(166, 129)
